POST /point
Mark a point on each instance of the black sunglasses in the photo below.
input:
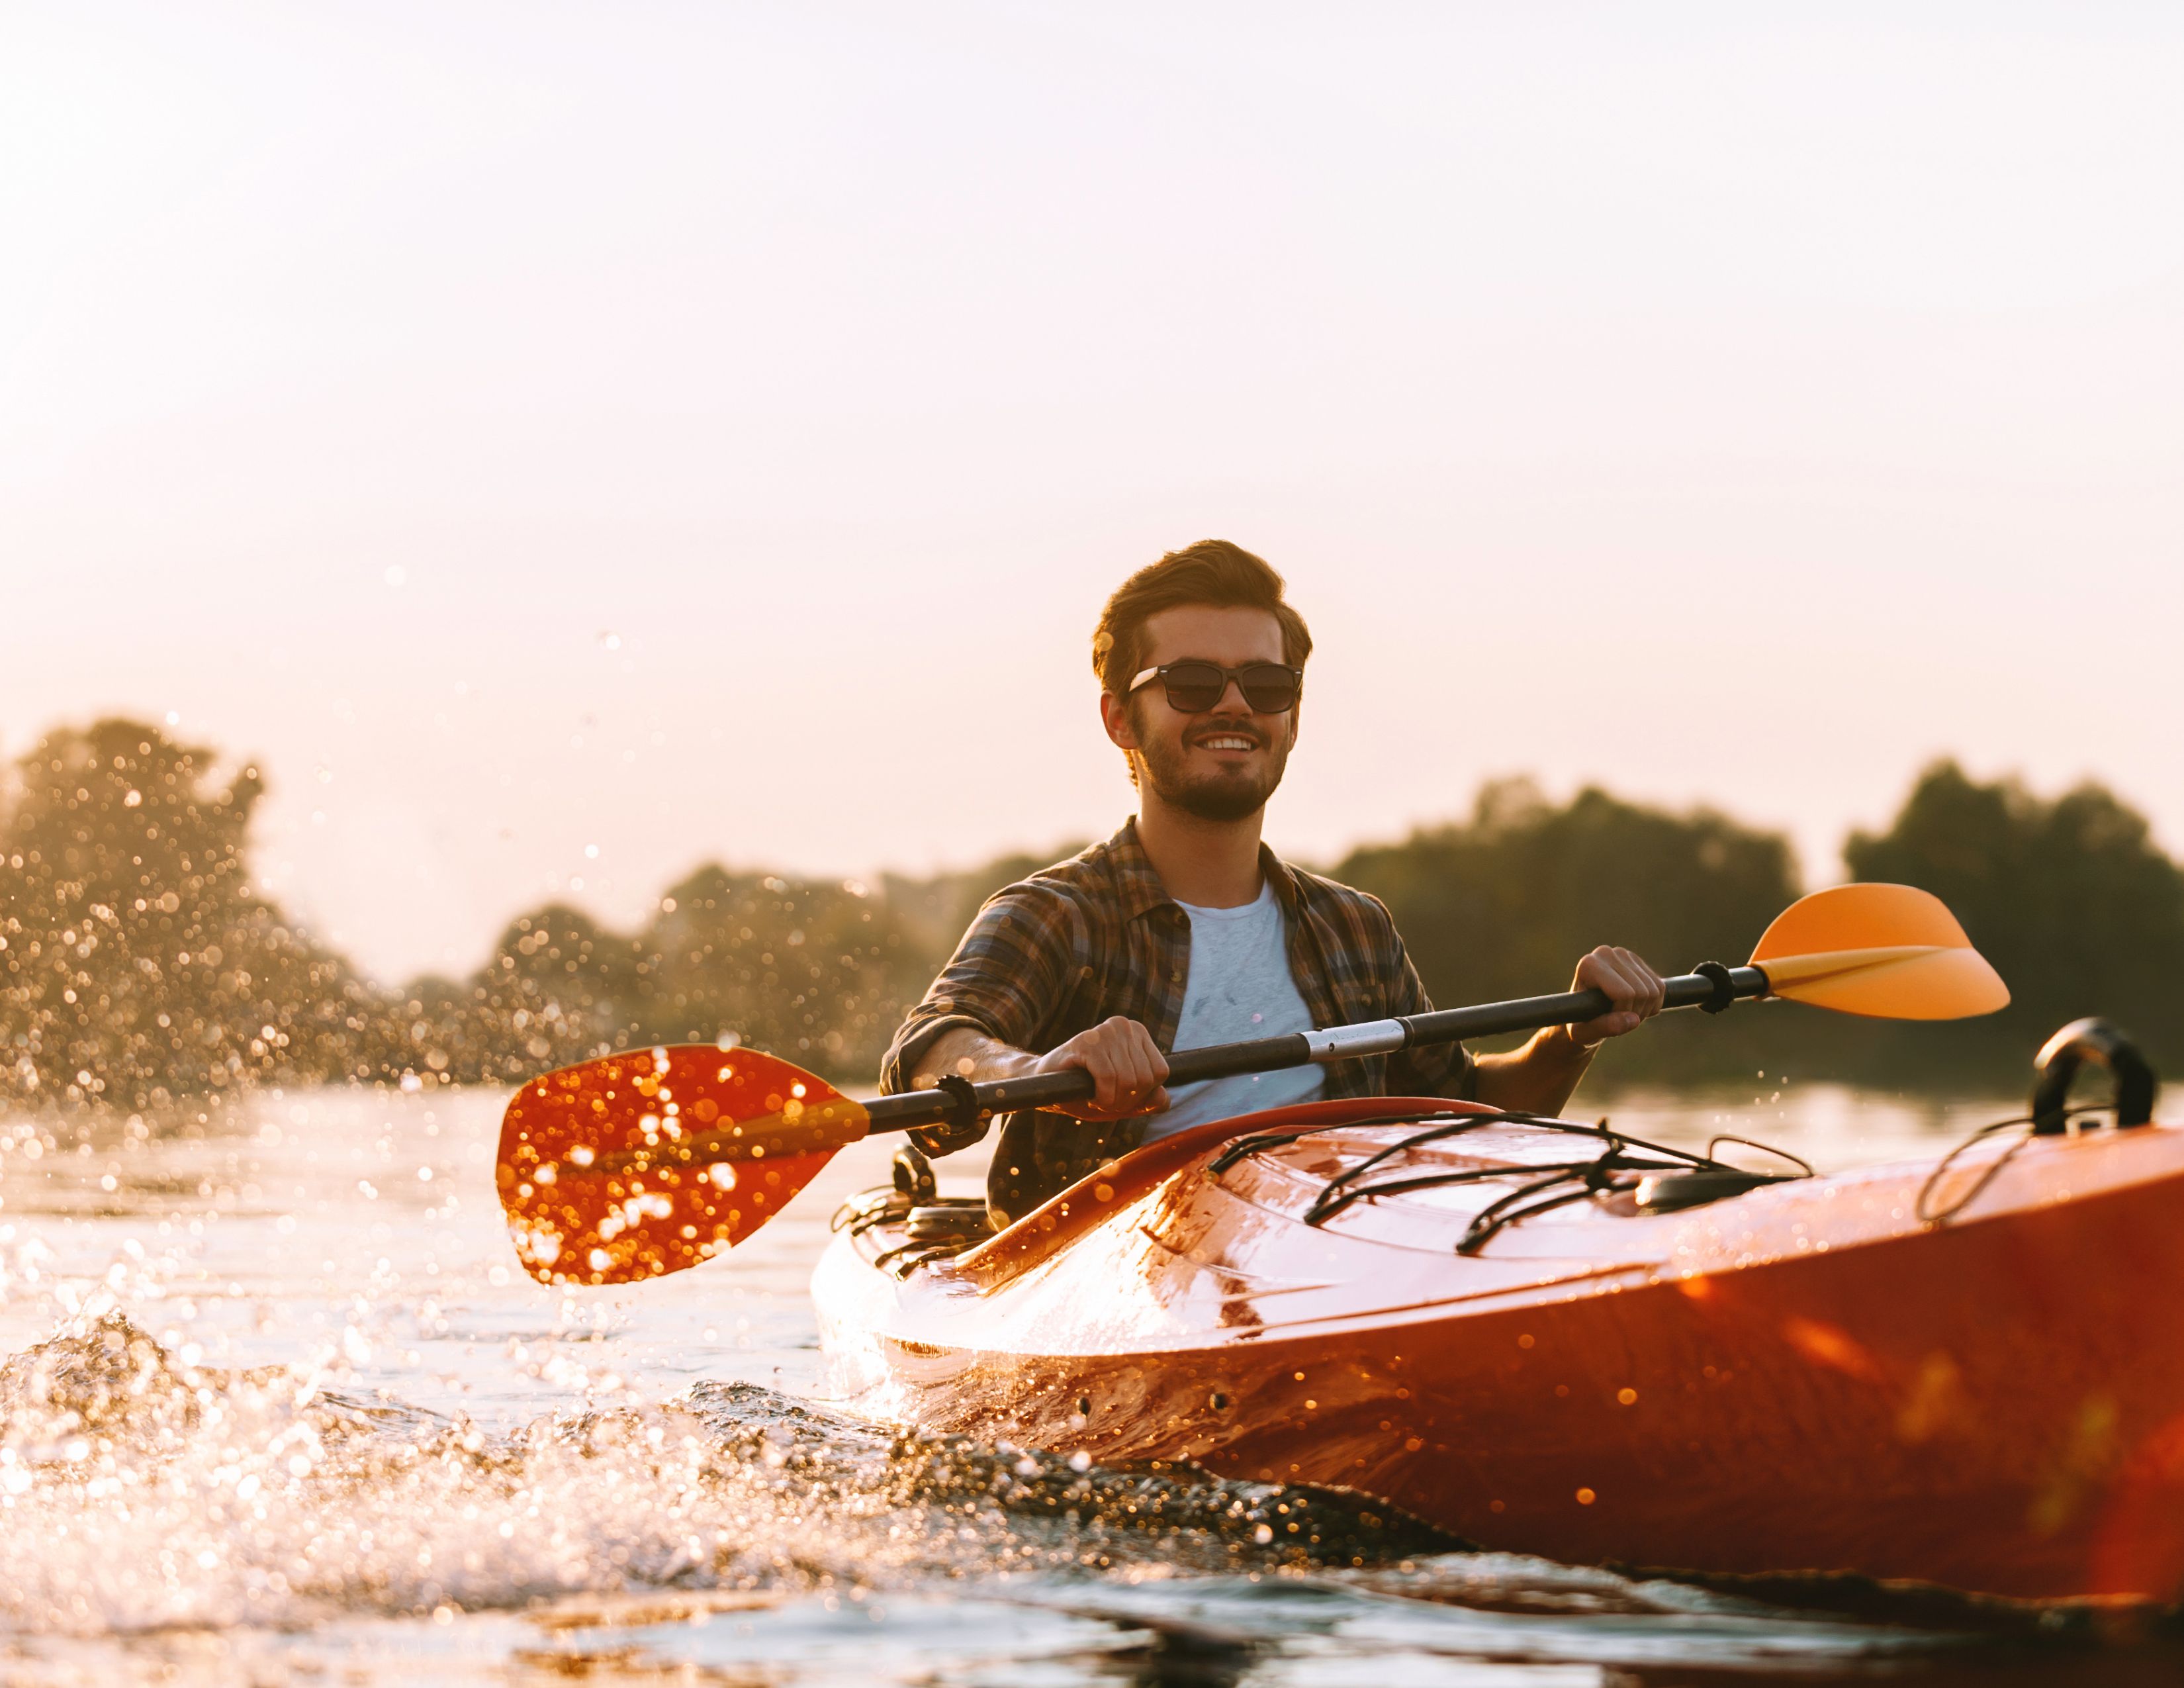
(1195, 686)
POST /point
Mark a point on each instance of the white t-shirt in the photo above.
(1239, 988)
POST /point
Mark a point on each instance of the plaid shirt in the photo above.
(1099, 935)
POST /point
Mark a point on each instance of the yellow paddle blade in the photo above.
(1892, 952)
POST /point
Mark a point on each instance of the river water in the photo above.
(277, 1405)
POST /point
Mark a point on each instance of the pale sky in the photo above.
(708, 431)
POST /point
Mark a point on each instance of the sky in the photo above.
(567, 443)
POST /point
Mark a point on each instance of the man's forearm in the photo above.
(964, 1051)
(1538, 1078)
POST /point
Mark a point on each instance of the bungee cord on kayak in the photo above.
(1349, 1185)
(1687, 1181)
(939, 1227)
(1930, 1215)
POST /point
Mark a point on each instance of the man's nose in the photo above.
(1236, 686)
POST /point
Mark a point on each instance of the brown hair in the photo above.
(1212, 571)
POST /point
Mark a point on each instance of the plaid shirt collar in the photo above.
(1138, 880)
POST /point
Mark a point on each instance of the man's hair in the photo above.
(1213, 572)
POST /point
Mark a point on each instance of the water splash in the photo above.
(137, 1491)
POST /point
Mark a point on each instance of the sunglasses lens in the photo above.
(1269, 688)
(1193, 687)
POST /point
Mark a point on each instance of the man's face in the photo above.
(1221, 765)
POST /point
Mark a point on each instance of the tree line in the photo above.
(142, 968)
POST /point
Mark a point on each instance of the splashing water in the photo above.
(275, 1403)
(165, 1494)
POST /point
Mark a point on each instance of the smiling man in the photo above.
(1184, 930)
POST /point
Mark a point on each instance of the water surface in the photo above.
(277, 1405)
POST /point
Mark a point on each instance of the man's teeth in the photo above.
(1227, 742)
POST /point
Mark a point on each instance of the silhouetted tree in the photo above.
(812, 970)
(560, 987)
(139, 966)
(438, 1031)
(1504, 904)
(935, 911)
(2078, 909)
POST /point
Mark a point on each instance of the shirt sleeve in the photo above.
(1005, 979)
(1431, 1069)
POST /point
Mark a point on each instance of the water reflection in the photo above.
(277, 1402)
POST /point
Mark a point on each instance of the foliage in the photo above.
(2078, 909)
(558, 988)
(934, 912)
(814, 970)
(137, 965)
(1504, 904)
(140, 968)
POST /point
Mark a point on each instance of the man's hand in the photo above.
(1632, 986)
(1540, 1077)
(1126, 1064)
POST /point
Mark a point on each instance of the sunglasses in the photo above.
(1195, 686)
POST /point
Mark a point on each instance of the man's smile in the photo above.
(1224, 738)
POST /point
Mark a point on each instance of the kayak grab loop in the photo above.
(2104, 1043)
(2101, 1042)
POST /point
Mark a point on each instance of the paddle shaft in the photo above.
(1337, 1042)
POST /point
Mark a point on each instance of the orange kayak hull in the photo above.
(1805, 1378)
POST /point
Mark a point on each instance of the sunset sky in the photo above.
(708, 432)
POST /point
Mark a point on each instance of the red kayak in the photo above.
(1547, 1340)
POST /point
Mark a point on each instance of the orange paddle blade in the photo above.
(1892, 952)
(640, 1164)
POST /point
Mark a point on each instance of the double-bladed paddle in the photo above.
(642, 1163)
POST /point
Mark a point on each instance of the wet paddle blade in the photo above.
(640, 1164)
(1891, 952)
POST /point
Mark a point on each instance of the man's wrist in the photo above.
(1573, 1048)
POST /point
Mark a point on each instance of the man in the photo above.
(1184, 930)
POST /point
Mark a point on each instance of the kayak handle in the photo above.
(2104, 1043)
(1712, 987)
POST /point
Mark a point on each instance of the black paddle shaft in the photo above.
(1713, 987)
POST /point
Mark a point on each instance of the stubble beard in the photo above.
(1220, 797)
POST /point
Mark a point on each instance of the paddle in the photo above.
(644, 1163)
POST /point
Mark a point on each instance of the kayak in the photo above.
(1965, 1371)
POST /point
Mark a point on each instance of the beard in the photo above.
(1227, 794)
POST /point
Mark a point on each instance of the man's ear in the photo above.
(1115, 716)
